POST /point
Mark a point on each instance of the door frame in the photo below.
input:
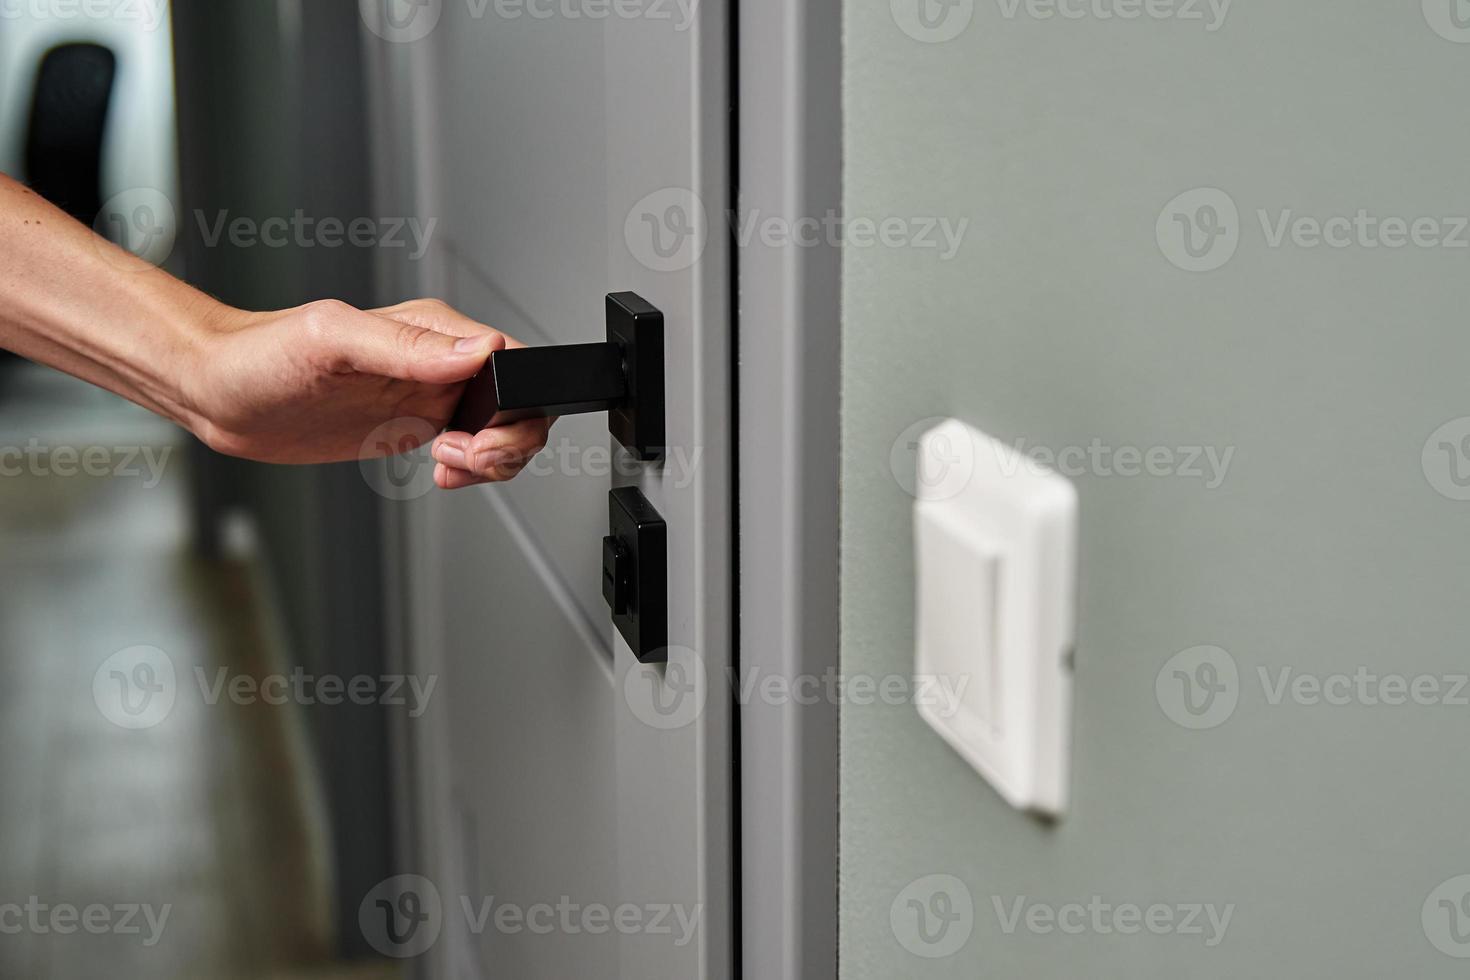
(789, 325)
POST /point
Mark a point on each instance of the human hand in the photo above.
(310, 385)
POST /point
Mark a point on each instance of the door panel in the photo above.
(563, 499)
(532, 791)
(551, 765)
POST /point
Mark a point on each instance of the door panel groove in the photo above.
(525, 329)
(598, 642)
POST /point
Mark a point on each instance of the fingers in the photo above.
(351, 341)
(492, 456)
(434, 314)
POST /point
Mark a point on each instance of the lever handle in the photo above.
(623, 376)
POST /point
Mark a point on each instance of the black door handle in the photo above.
(623, 376)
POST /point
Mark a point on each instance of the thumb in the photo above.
(394, 349)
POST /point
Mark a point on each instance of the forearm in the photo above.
(77, 303)
(321, 383)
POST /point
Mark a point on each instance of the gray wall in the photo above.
(1330, 545)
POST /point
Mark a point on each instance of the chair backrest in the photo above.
(68, 118)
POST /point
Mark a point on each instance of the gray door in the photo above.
(572, 808)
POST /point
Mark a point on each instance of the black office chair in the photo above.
(68, 119)
(63, 158)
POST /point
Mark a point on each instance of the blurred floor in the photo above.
(208, 816)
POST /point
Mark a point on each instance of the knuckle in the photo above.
(323, 318)
(433, 304)
(413, 339)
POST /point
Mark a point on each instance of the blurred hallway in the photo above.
(207, 825)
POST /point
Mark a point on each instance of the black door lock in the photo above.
(623, 376)
(635, 577)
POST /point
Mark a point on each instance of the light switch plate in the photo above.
(995, 536)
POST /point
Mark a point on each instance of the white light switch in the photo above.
(995, 537)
